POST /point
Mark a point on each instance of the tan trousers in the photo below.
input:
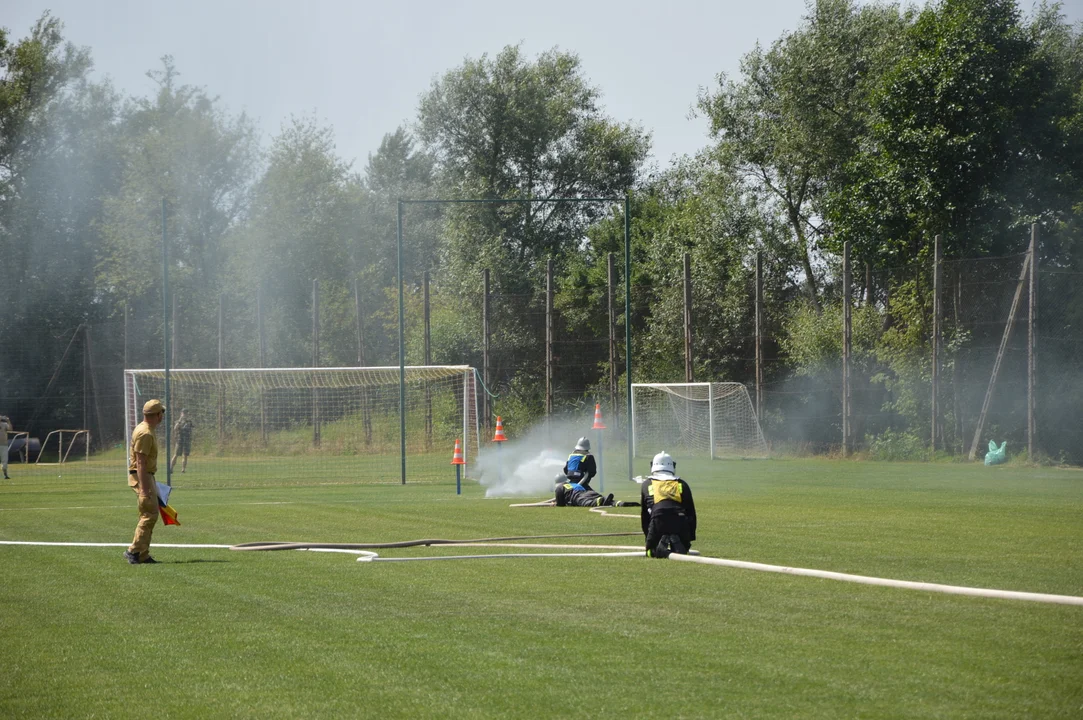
(148, 518)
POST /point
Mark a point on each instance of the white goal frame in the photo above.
(62, 455)
(318, 377)
(758, 444)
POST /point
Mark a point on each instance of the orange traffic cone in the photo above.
(457, 456)
(498, 436)
(598, 424)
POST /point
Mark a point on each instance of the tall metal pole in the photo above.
(94, 390)
(262, 360)
(548, 341)
(402, 354)
(221, 330)
(487, 403)
(759, 335)
(936, 341)
(165, 340)
(173, 333)
(611, 286)
(628, 322)
(687, 318)
(846, 336)
(359, 324)
(221, 364)
(366, 415)
(315, 361)
(86, 364)
(427, 316)
(1032, 338)
(127, 361)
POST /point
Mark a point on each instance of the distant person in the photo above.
(5, 428)
(142, 465)
(668, 513)
(579, 495)
(183, 430)
(581, 467)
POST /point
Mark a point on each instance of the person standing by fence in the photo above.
(183, 429)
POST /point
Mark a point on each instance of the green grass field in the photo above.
(218, 633)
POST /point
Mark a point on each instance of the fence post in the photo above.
(611, 286)
(366, 415)
(427, 351)
(846, 338)
(936, 342)
(548, 343)
(262, 360)
(221, 364)
(127, 361)
(94, 393)
(315, 361)
(687, 318)
(759, 336)
(173, 339)
(1032, 319)
(485, 347)
(358, 325)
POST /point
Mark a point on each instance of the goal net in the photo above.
(310, 426)
(713, 420)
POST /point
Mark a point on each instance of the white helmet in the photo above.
(663, 467)
(583, 444)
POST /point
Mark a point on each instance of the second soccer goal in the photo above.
(715, 420)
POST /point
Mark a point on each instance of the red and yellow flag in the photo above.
(169, 515)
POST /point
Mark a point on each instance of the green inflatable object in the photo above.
(997, 456)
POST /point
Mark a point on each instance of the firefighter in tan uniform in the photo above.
(668, 513)
(142, 464)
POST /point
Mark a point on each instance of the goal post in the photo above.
(256, 426)
(706, 419)
(66, 442)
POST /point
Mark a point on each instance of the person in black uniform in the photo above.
(668, 513)
(580, 495)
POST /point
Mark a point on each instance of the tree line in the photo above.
(874, 124)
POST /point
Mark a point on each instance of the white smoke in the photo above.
(528, 465)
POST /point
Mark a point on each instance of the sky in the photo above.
(361, 66)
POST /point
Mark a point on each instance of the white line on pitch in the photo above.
(886, 582)
(86, 544)
(116, 507)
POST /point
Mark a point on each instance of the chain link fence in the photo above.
(557, 356)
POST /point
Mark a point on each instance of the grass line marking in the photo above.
(885, 582)
(89, 544)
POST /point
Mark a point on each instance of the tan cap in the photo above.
(153, 407)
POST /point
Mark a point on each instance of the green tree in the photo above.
(303, 226)
(58, 159)
(513, 128)
(397, 170)
(794, 117)
(974, 134)
(183, 146)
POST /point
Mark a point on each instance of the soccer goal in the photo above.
(311, 426)
(713, 420)
(64, 442)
